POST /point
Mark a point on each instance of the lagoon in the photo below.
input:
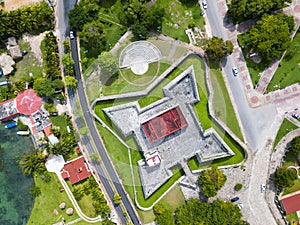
(16, 202)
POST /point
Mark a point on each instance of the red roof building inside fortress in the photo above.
(164, 124)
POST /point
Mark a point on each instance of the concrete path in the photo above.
(75, 204)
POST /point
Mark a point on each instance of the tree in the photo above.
(108, 65)
(217, 49)
(295, 145)
(270, 37)
(139, 31)
(68, 63)
(211, 181)
(33, 163)
(134, 12)
(67, 46)
(238, 187)
(163, 215)
(117, 199)
(43, 87)
(216, 213)
(71, 82)
(285, 177)
(35, 191)
(242, 10)
(93, 34)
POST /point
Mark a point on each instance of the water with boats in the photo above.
(15, 200)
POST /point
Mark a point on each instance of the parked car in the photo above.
(71, 35)
(263, 188)
(25, 52)
(235, 199)
(54, 114)
(235, 71)
(204, 4)
(296, 116)
(1, 72)
(240, 205)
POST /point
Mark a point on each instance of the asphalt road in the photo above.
(254, 121)
(113, 177)
(62, 10)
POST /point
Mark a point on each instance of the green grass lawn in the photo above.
(222, 102)
(295, 187)
(288, 71)
(61, 122)
(285, 128)
(290, 159)
(292, 218)
(143, 79)
(51, 197)
(178, 16)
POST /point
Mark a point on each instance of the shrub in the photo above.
(238, 187)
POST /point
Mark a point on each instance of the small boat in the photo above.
(11, 125)
(23, 133)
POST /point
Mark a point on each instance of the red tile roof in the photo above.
(291, 202)
(77, 170)
(47, 131)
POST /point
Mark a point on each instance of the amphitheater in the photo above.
(138, 55)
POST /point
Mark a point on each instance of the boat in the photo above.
(11, 125)
(23, 132)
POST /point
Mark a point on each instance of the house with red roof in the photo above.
(291, 202)
(76, 170)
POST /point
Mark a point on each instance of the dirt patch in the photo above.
(14, 4)
(35, 43)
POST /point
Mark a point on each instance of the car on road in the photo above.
(240, 205)
(204, 4)
(71, 35)
(263, 188)
(296, 116)
(235, 199)
(234, 71)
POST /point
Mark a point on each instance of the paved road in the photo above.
(258, 125)
(254, 121)
(100, 148)
(62, 10)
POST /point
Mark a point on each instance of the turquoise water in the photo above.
(15, 200)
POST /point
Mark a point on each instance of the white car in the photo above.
(235, 71)
(204, 4)
(71, 35)
(263, 188)
(240, 205)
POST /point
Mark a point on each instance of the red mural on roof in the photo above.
(164, 124)
(28, 102)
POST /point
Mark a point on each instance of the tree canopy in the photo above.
(163, 215)
(295, 145)
(211, 181)
(195, 212)
(285, 177)
(217, 49)
(108, 65)
(242, 10)
(33, 18)
(271, 36)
